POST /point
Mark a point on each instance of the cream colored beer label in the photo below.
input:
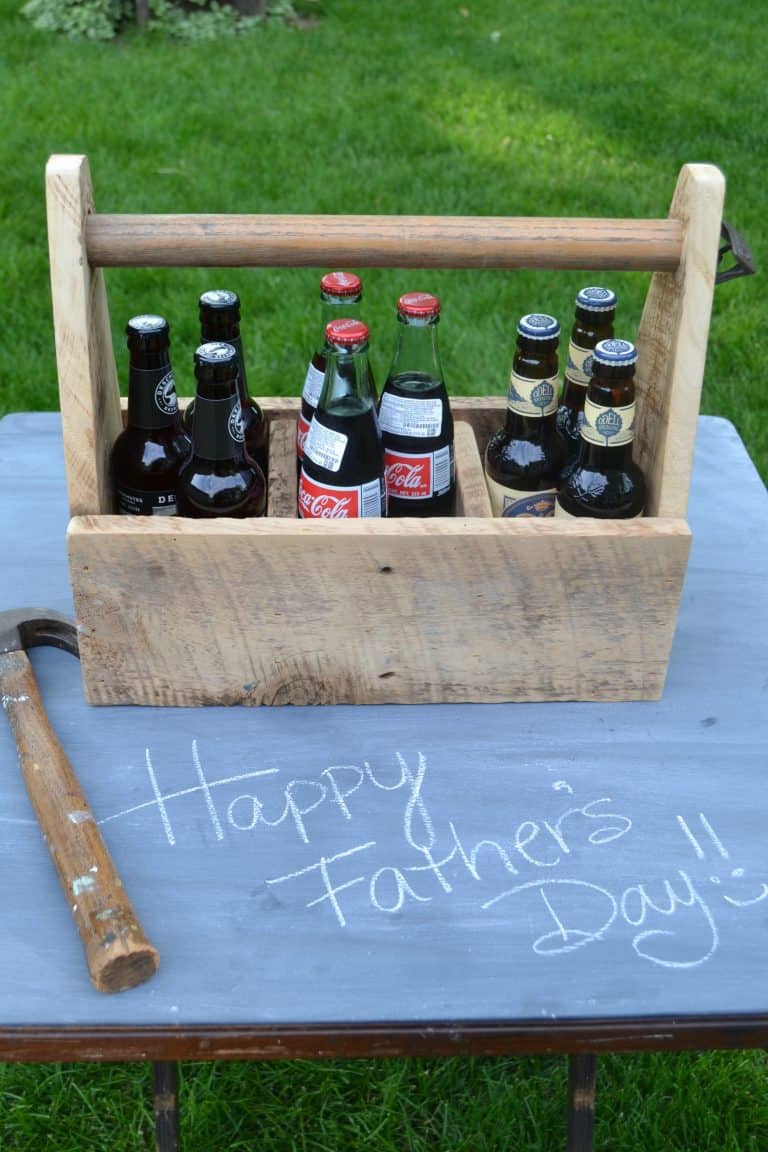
(313, 385)
(608, 427)
(579, 364)
(532, 397)
(324, 446)
(515, 502)
(410, 416)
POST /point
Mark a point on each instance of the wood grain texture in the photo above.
(672, 344)
(173, 241)
(282, 491)
(117, 952)
(388, 611)
(471, 490)
(88, 388)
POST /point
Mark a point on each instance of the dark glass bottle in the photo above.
(523, 459)
(340, 295)
(149, 452)
(593, 321)
(605, 482)
(219, 311)
(415, 416)
(219, 478)
(342, 471)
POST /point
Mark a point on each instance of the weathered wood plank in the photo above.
(400, 611)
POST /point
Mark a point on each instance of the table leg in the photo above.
(165, 1081)
(582, 1075)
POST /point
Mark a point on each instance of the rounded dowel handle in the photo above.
(118, 953)
(235, 241)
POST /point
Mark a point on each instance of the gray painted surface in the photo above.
(520, 862)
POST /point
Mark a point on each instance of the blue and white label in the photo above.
(532, 397)
(608, 427)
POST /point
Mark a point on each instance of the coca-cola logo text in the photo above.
(322, 505)
(408, 477)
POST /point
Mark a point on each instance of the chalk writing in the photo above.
(548, 877)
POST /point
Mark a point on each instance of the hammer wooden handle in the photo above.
(118, 953)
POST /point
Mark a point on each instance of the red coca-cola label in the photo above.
(408, 477)
(302, 431)
(325, 502)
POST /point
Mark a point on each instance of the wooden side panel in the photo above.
(88, 388)
(672, 344)
(471, 490)
(282, 490)
(401, 611)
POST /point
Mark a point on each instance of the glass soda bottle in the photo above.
(593, 321)
(415, 416)
(342, 471)
(219, 311)
(340, 294)
(605, 482)
(219, 478)
(149, 452)
(523, 459)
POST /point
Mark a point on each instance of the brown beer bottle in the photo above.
(149, 452)
(219, 478)
(219, 311)
(523, 459)
(605, 482)
(340, 295)
(593, 321)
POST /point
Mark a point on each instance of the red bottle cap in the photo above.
(418, 304)
(346, 332)
(341, 284)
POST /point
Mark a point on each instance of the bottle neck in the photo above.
(152, 402)
(416, 351)
(218, 329)
(347, 379)
(218, 432)
(608, 431)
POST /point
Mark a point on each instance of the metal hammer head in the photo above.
(22, 628)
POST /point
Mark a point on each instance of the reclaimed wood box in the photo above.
(471, 608)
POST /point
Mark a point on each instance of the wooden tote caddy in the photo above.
(469, 608)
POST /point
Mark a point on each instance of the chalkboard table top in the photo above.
(352, 880)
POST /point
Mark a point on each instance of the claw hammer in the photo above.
(118, 954)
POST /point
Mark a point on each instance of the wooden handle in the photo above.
(118, 953)
(202, 241)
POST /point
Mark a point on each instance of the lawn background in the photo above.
(433, 107)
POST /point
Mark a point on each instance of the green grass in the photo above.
(710, 1102)
(390, 107)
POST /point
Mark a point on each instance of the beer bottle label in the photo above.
(132, 502)
(408, 416)
(515, 502)
(608, 427)
(302, 431)
(328, 502)
(579, 368)
(152, 401)
(313, 385)
(325, 446)
(219, 432)
(532, 397)
(418, 477)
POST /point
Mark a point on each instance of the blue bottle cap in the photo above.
(596, 299)
(538, 326)
(615, 352)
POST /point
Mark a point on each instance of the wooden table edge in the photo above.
(44, 1043)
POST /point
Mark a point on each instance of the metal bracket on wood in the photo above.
(582, 1085)
(165, 1080)
(734, 242)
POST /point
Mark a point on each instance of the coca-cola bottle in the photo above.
(415, 416)
(219, 311)
(340, 293)
(219, 478)
(342, 471)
